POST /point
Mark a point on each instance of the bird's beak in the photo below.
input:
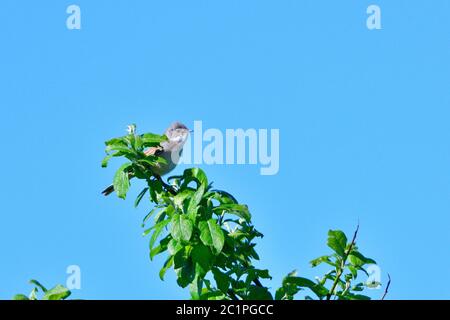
(191, 131)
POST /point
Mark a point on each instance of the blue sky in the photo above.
(363, 118)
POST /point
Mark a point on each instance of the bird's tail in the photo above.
(108, 190)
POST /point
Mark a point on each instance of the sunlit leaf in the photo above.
(140, 196)
(58, 292)
(320, 260)
(239, 210)
(212, 235)
(38, 284)
(167, 265)
(181, 228)
(160, 248)
(151, 139)
(358, 260)
(121, 181)
(195, 174)
(195, 200)
(337, 241)
(158, 228)
(318, 289)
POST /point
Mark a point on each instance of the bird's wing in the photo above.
(153, 151)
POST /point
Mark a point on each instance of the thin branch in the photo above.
(256, 280)
(344, 260)
(166, 186)
(387, 287)
(232, 295)
(258, 283)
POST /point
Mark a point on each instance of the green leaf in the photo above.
(222, 280)
(239, 210)
(174, 180)
(161, 160)
(353, 271)
(186, 274)
(358, 287)
(155, 189)
(174, 246)
(195, 288)
(106, 159)
(155, 251)
(337, 241)
(252, 253)
(259, 293)
(120, 150)
(320, 260)
(148, 162)
(158, 229)
(213, 295)
(264, 274)
(358, 260)
(161, 248)
(180, 197)
(195, 201)
(253, 274)
(196, 174)
(280, 293)
(140, 196)
(222, 196)
(161, 215)
(181, 257)
(137, 143)
(151, 139)
(181, 229)
(202, 257)
(212, 235)
(149, 215)
(352, 296)
(38, 284)
(20, 297)
(58, 292)
(121, 181)
(318, 289)
(116, 141)
(167, 265)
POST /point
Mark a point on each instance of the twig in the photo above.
(166, 186)
(256, 280)
(232, 295)
(258, 283)
(387, 287)
(344, 260)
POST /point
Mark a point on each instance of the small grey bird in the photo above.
(177, 134)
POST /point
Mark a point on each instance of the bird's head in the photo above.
(177, 132)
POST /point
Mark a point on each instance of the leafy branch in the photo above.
(208, 236)
(341, 268)
(58, 292)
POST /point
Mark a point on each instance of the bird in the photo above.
(171, 150)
